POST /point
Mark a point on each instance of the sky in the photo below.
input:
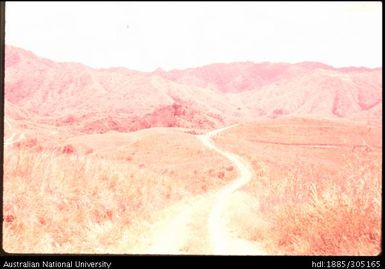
(170, 35)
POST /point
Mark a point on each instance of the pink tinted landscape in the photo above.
(228, 158)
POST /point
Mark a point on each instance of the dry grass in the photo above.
(305, 201)
(339, 215)
(314, 201)
(65, 203)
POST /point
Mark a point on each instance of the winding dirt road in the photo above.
(222, 242)
(173, 234)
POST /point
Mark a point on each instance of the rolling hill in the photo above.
(235, 158)
(99, 100)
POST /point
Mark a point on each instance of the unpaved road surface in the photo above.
(171, 236)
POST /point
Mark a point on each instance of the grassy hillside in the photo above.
(103, 202)
(313, 200)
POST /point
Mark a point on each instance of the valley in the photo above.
(225, 159)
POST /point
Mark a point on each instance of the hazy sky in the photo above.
(145, 36)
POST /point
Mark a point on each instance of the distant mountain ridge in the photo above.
(98, 100)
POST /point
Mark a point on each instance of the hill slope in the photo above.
(98, 100)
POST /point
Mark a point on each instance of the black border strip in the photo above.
(117, 259)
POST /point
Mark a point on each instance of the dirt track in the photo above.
(173, 234)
